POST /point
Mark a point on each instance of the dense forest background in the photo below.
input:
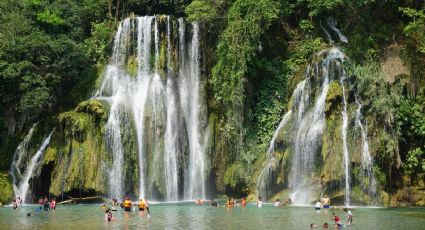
(51, 52)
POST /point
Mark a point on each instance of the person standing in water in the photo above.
(127, 204)
(277, 203)
(326, 201)
(213, 203)
(19, 200)
(318, 206)
(349, 216)
(46, 204)
(142, 205)
(337, 221)
(53, 204)
(14, 204)
(108, 215)
(259, 202)
(229, 203)
(243, 202)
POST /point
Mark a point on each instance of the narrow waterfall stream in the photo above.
(21, 188)
(167, 83)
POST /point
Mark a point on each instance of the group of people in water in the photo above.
(325, 203)
(232, 202)
(127, 204)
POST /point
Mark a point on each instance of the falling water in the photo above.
(153, 101)
(331, 22)
(191, 105)
(21, 152)
(172, 151)
(309, 129)
(367, 176)
(344, 136)
(263, 182)
(21, 190)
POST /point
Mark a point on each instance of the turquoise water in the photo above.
(189, 216)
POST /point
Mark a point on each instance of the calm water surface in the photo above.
(188, 216)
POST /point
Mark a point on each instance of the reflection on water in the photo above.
(188, 216)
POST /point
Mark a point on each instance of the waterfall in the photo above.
(263, 182)
(20, 153)
(21, 189)
(308, 132)
(368, 181)
(331, 22)
(163, 105)
(172, 151)
(344, 136)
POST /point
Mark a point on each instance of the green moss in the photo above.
(132, 65)
(333, 98)
(75, 124)
(94, 107)
(162, 59)
(6, 189)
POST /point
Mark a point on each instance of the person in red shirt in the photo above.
(337, 221)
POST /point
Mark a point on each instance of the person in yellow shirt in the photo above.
(142, 204)
(127, 204)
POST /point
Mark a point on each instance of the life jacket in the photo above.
(127, 204)
(142, 204)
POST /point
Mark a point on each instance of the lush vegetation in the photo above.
(49, 50)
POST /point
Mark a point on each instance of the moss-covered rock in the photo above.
(97, 108)
(334, 96)
(6, 189)
(132, 65)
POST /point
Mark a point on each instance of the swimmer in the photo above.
(28, 214)
(325, 225)
(313, 225)
(213, 203)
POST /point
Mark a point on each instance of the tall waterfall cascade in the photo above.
(20, 180)
(302, 128)
(161, 104)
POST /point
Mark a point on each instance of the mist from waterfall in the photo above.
(164, 105)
